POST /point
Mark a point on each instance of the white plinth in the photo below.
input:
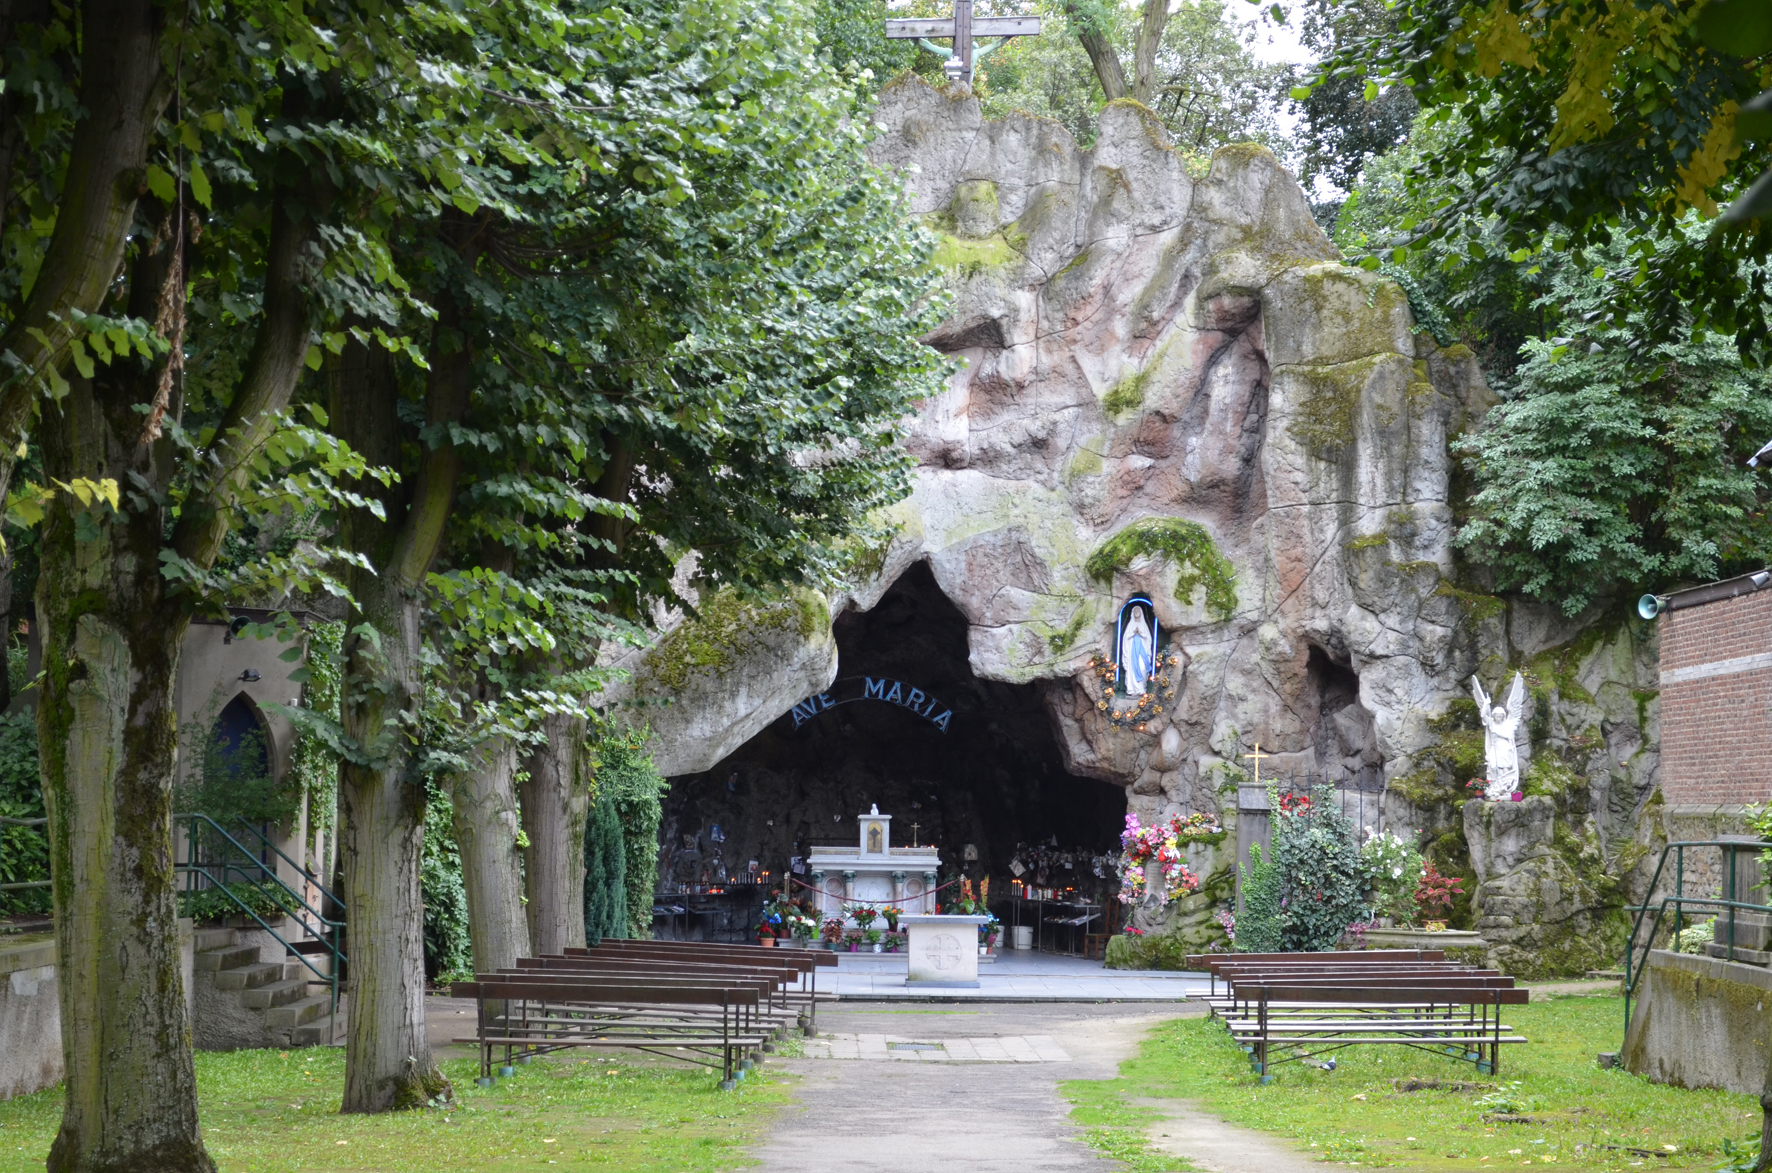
(943, 950)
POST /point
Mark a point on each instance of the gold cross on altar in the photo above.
(1257, 756)
(914, 827)
(961, 29)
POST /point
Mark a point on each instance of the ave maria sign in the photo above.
(871, 688)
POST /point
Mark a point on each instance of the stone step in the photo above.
(1746, 956)
(231, 957)
(294, 1014)
(245, 977)
(274, 994)
(319, 1033)
(204, 940)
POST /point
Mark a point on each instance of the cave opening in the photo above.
(972, 766)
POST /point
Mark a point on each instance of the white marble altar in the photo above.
(943, 950)
(873, 870)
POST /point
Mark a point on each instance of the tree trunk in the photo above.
(1101, 53)
(486, 825)
(107, 730)
(381, 843)
(556, 802)
(388, 1060)
(1144, 56)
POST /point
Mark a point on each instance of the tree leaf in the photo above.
(164, 187)
(199, 184)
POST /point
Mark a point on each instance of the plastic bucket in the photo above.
(1024, 936)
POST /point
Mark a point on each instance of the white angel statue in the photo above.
(1500, 752)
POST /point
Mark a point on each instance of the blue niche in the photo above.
(1135, 646)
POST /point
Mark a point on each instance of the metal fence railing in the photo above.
(1730, 911)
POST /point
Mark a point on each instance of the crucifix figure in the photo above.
(1257, 756)
(961, 30)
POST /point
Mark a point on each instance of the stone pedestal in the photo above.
(943, 950)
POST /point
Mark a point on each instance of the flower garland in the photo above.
(1163, 842)
(1158, 691)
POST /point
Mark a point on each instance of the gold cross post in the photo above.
(1258, 755)
(914, 827)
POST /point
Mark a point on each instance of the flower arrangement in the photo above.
(765, 931)
(1162, 842)
(892, 915)
(1295, 804)
(1437, 890)
(1159, 691)
(833, 929)
(970, 904)
(1229, 922)
(1393, 873)
(1131, 931)
(861, 914)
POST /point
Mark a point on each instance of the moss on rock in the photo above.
(1186, 545)
(729, 626)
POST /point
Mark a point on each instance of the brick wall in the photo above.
(1716, 702)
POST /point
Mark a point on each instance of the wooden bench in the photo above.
(1310, 1004)
(807, 961)
(714, 1024)
(780, 1008)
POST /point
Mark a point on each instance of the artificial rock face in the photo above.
(1137, 342)
(1141, 343)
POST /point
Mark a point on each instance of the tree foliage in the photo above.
(1612, 468)
(1579, 119)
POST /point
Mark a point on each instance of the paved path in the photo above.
(882, 1114)
(1217, 1147)
(1013, 976)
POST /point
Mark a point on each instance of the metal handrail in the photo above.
(267, 876)
(266, 840)
(269, 880)
(1678, 902)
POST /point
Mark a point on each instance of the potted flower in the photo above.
(872, 937)
(766, 934)
(893, 940)
(892, 915)
(852, 938)
(1437, 891)
(863, 915)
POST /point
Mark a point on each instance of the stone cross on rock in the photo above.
(961, 30)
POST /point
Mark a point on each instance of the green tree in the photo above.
(605, 855)
(1202, 80)
(1613, 467)
(1582, 118)
(626, 774)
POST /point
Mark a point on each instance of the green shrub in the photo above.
(1258, 928)
(624, 770)
(448, 949)
(606, 893)
(1322, 889)
(24, 851)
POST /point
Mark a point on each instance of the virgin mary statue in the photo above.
(1136, 651)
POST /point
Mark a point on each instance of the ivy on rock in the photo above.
(1184, 544)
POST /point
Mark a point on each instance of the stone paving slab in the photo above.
(903, 1048)
(1014, 978)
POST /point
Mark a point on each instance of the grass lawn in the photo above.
(1568, 1111)
(277, 1111)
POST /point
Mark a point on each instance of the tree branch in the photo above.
(124, 89)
